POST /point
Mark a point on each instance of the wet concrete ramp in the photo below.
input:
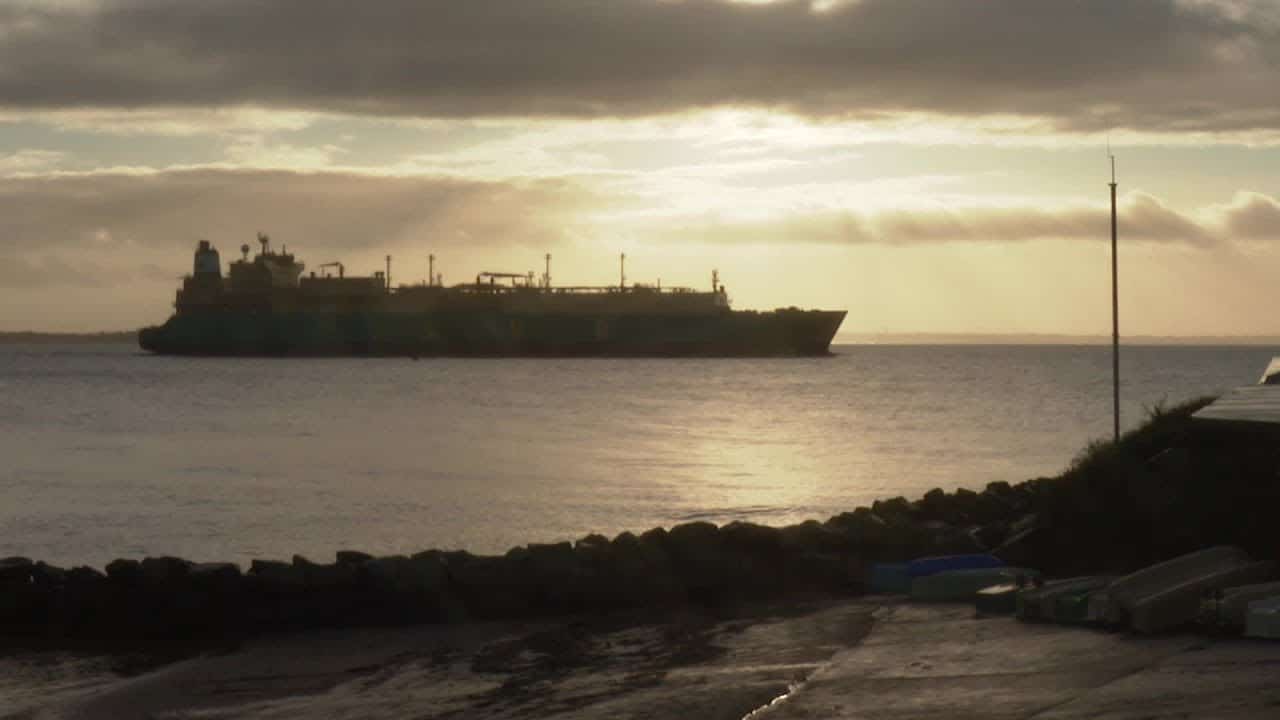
(942, 662)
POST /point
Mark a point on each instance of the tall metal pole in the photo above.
(1115, 312)
(547, 274)
(388, 273)
(622, 271)
(431, 269)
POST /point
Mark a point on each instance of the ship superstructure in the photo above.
(266, 305)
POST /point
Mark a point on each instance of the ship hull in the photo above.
(496, 334)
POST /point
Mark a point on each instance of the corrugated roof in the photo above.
(1252, 403)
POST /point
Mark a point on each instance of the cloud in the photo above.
(113, 228)
(1252, 216)
(31, 160)
(1142, 218)
(44, 270)
(79, 228)
(1157, 65)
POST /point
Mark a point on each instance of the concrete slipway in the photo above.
(931, 661)
(862, 659)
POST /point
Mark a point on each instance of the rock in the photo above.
(47, 576)
(752, 538)
(385, 573)
(893, 510)
(558, 580)
(934, 504)
(352, 557)
(593, 541)
(999, 488)
(813, 536)
(164, 570)
(944, 539)
(655, 538)
(594, 553)
(492, 587)
(641, 572)
(828, 572)
(124, 571)
(426, 572)
(964, 503)
(1034, 547)
(713, 572)
(15, 570)
(989, 536)
(84, 574)
(215, 574)
(864, 530)
(277, 575)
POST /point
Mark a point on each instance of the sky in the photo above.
(935, 166)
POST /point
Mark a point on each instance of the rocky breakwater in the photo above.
(172, 602)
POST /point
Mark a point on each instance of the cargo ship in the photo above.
(266, 305)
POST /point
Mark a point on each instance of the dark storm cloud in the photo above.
(1089, 64)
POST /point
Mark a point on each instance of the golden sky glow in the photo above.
(934, 167)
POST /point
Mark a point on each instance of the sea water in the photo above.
(107, 452)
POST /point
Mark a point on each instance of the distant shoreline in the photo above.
(33, 337)
(1047, 339)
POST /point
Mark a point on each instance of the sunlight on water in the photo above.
(113, 453)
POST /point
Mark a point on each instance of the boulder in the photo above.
(47, 576)
(164, 571)
(592, 541)
(215, 576)
(84, 574)
(85, 601)
(1035, 546)
(124, 571)
(813, 536)
(934, 505)
(641, 572)
(352, 557)
(386, 574)
(863, 529)
(751, 538)
(489, 587)
(894, 510)
(15, 570)
(276, 575)
(989, 536)
(559, 581)
(715, 572)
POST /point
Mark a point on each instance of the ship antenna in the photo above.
(388, 273)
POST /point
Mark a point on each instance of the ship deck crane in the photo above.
(336, 264)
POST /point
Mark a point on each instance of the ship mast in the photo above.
(1115, 310)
